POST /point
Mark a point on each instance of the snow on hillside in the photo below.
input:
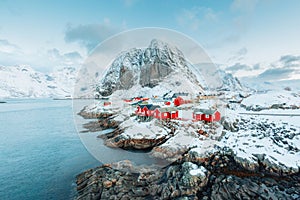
(272, 99)
(25, 82)
(268, 129)
(273, 139)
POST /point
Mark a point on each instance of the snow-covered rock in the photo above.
(267, 139)
(272, 100)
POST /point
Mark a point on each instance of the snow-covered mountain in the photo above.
(230, 83)
(159, 67)
(25, 82)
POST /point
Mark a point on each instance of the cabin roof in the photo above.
(167, 109)
(145, 105)
(137, 103)
(183, 97)
(205, 111)
(153, 107)
(180, 94)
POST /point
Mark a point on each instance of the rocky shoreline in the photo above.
(218, 175)
(114, 138)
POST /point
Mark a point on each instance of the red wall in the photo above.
(217, 116)
(174, 115)
(145, 111)
(156, 114)
(178, 101)
(196, 116)
(208, 119)
(168, 115)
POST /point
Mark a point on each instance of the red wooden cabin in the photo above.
(166, 113)
(106, 103)
(181, 100)
(206, 115)
(146, 109)
(167, 103)
(152, 109)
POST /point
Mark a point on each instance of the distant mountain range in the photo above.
(158, 68)
(25, 82)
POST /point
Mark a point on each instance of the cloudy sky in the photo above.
(245, 37)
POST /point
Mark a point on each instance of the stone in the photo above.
(237, 180)
(107, 184)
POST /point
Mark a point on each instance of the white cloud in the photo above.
(90, 35)
(8, 48)
(238, 66)
(239, 55)
(196, 17)
(290, 61)
(287, 67)
(276, 74)
(243, 5)
(10, 54)
(64, 59)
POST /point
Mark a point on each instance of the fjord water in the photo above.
(40, 151)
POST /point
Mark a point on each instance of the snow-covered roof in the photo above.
(136, 103)
(153, 107)
(149, 106)
(205, 111)
(145, 105)
(180, 94)
(168, 109)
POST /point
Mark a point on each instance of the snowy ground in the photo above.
(266, 100)
(274, 138)
(273, 133)
(145, 130)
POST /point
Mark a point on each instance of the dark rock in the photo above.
(230, 126)
(232, 181)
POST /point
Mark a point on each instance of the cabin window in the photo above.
(166, 114)
(206, 116)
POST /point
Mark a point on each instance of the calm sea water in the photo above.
(40, 151)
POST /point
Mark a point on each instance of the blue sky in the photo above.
(248, 37)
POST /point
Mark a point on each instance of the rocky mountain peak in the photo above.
(145, 67)
(230, 83)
